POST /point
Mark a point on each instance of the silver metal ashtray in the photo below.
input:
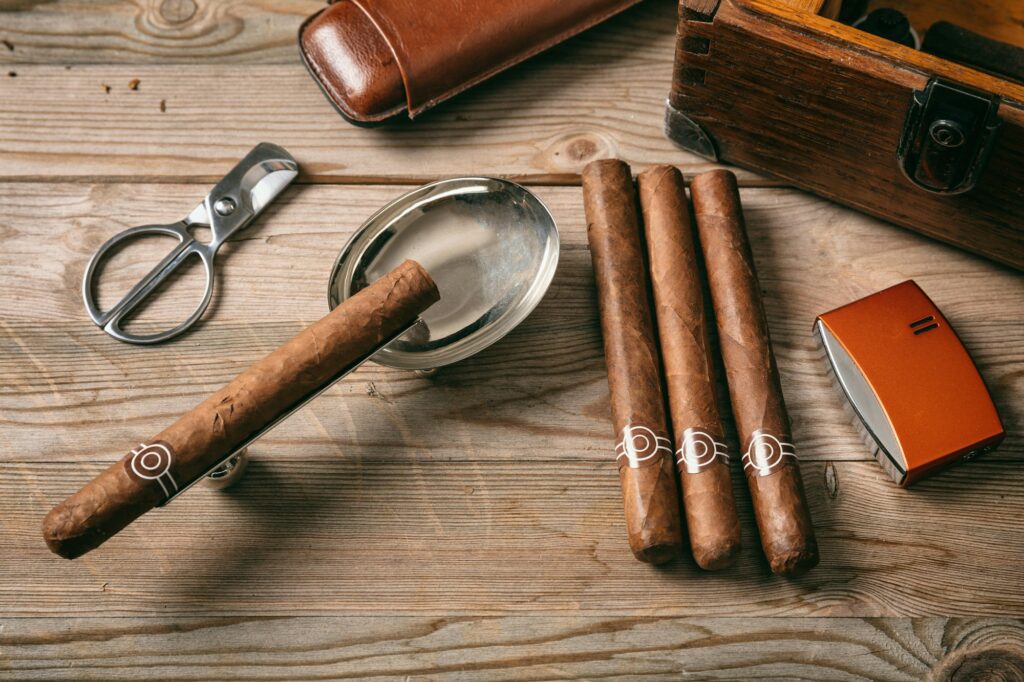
(490, 245)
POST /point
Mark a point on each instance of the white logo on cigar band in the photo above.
(640, 444)
(153, 463)
(766, 454)
(699, 451)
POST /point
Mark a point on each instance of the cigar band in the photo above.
(641, 446)
(700, 450)
(152, 462)
(766, 454)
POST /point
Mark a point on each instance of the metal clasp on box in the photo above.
(948, 135)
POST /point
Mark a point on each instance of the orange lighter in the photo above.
(915, 392)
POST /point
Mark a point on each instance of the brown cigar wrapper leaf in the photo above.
(702, 456)
(197, 441)
(643, 448)
(768, 456)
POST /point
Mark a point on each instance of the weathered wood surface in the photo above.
(379, 531)
(512, 648)
(467, 525)
(996, 19)
(410, 495)
(151, 31)
(601, 94)
(545, 380)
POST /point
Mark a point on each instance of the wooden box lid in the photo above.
(775, 86)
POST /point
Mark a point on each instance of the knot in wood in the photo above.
(987, 664)
(582, 149)
(177, 11)
(831, 480)
(571, 151)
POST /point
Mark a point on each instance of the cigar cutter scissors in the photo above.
(229, 207)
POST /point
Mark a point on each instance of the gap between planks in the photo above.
(597, 96)
(65, 378)
(347, 533)
(744, 180)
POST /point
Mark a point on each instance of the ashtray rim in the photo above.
(494, 330)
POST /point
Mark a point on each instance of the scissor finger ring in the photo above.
(229, 207)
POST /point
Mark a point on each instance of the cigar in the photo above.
(769, 459)
(889, 23)
(643, 450)
(701, 454)
(964, 46)
(189, 448)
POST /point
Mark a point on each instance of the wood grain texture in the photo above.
(503, 648)
(490, 488)
(903, 65)
(467, 526)
(538, 121)
(783, 92)
(996, 19)
(346, 531)
(543, 388)
(151, 31)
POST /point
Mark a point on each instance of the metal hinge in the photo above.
(948, 135)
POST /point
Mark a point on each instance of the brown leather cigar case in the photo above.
(376, 58)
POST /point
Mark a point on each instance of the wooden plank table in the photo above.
(468, 524)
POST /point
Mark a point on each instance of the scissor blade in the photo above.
(267, 189)
(252, 184)
(198, 216)
(263, 192)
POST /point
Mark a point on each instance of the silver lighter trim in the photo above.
(866, 412)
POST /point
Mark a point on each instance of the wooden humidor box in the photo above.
(926, 143)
